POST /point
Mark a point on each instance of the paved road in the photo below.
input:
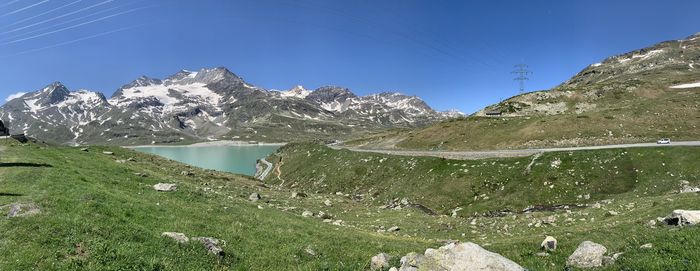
(263, 175)
(472, 155)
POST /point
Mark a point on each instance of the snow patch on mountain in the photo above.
(296, 92)
(14, 96)
(167, 95)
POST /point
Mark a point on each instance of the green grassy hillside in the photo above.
(627, 98)
(640, 184)
(618, 117)
(89, 200)
(97, 213)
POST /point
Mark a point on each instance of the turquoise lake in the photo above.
(235, 159)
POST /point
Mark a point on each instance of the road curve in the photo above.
(473, 155)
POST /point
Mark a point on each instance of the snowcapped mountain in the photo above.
(205, 105)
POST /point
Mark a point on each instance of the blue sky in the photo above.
(453, 54)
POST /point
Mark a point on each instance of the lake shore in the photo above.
(217, 143)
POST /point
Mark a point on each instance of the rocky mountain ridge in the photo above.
(206, 105)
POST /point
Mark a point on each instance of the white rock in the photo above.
(549, 243)
(683, 218)
(307, 214)
(254, 197)
(466, 257)
(587, 255)
(165, 187)
(646, 246)
(380, 261)
(177, 236)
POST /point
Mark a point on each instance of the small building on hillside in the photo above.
(493, 113)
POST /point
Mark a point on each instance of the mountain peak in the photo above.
(330, 93)
(53, 93)
(203, 76)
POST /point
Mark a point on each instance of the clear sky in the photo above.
(453, 54)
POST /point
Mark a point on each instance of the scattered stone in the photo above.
(587, 255)
(131, 159)
(307, 214)
(254, 197)
(338, 222)
(393, 269)
(120, 161)
(393, 229)
(328, 203)
(687, 188)
(165, 187)
(310, 251)
(212, 245)
(683, 218)
(549, 243)
(647, 246)
(549, 220)
(179, 237)
(380, 261)
(22, 210)
(611, 213)
(296, 195)
(143, 175)
(596, 205)
(458, 257)
(324, 215)
(542, 254)
(186, 173)
(108, 153)
(651, 223)
(84, 149)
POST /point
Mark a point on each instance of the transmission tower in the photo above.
(522, 72)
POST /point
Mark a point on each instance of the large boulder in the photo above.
(380, 261)
(459, 257)
(587, 255)
(683, 218)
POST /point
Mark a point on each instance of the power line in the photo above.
(522, 72)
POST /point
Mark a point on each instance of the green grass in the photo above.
(641, 182)
(89, 198)
(492, 184)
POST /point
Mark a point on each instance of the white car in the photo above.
(664, 141)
